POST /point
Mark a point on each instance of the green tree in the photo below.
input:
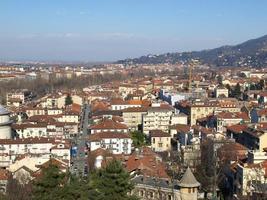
(237, 91)
(76, 188)
(68, 100)
(111, 182)
(220, 80)
(50, 184)
(260, 85)
(228, 87)
(139, 138)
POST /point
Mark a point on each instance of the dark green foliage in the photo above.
(68, 100)
(139, 138)
(50, 184)
(237, 91)
(220, 80)
(75, 189)
(112, 183)
(260, 85)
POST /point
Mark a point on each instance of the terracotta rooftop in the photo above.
(109, 124)
(158, 133)
(36, 140)
(4, 174)
(146, 163)
(181, 128)
(135, 109)
(107, 135)
(237, 128)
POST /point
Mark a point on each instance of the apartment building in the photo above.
(160, 141)
(132, 117)
(115, 142)
(11, 149)
(221, 92)
(159, 117)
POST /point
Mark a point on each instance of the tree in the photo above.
(17, 191)
(220, 80)
(111, 182)
(237, 91)
(77, 189)
(260, 85)
(68, 100)
(50, 184)
(139, 138)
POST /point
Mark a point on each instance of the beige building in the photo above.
(160, 141)
(221, 92)
(201, 109)
(132, 117)
(126, 89)
(246, 174)
(198, 109)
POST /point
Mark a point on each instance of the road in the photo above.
(80, 167)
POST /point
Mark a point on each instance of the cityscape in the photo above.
(115, 101)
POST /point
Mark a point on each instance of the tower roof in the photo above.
(188, 179)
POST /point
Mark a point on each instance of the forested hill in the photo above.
(250, 53)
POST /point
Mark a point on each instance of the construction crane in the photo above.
(191, 66)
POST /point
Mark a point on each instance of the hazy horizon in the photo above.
(106, 31)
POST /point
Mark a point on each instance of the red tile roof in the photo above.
(181, 128)
(238, 128)
(147, 164)
(107, 135)
(109, 124)
(4, 174)
(158, 133)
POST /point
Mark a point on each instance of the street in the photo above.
(79, 166)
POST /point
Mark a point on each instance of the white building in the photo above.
(117, 143)
(5, 124)
(221, 92)
(45, 147)
(159, 117)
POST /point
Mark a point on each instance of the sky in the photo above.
(108, 30)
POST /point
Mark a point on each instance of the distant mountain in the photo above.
(250, 53)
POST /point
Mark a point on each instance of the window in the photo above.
(189, 190)
(169, 197)
(153, 140)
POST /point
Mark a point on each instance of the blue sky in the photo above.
(107, 30)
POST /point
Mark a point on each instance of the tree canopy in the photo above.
(139, 138)
(68, 100)
(112, 183)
